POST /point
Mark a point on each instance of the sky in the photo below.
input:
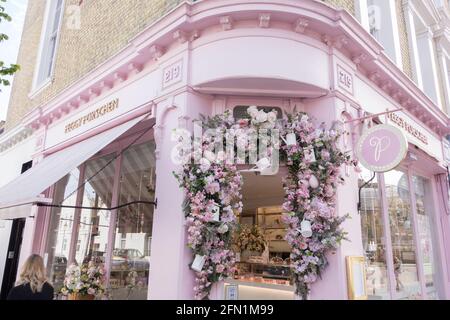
(10, 48)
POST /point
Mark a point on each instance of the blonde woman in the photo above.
(32, 284)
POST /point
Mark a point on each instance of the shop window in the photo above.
(94, 224)
(398, 195)
(240, 112)
(60, 229)
(374, 243)
(50, 35)
(425, 223)
(383, 26)
(133, 232)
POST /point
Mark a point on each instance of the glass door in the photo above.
(398, 228)
(425, 223)
(373, 236)
(406, 274)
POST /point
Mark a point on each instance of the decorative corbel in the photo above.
(119, 77)
(358, 59)
(397, 95)
(81, 99)
(194, 35)
(105, 85)
(156, 52)
(406, 103)
(386, 86)
(180, 36)
(375, 76)
(340, 42)
(300, 25)
(264, 20)
(93, 93)
(226, 22)
(134, 68)
(327, 40)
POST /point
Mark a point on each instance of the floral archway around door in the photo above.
(212, 185)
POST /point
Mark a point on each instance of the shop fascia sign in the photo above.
(407, 127)
(92, 115)
(382, 148)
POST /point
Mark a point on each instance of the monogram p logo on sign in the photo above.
(382, 148)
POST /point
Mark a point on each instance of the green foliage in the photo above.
(5, 71)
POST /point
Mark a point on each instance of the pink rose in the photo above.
(220, 268)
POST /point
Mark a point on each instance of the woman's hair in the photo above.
(33, 273)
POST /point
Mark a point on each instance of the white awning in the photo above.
(18, 196)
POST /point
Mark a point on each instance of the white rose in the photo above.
(252, 111)
(261, 117)
(205, 164)
(223, 228)
(209, 155)
(221, 156)
(272, 116)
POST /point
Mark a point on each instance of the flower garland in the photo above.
(314, 162)
(213, 197)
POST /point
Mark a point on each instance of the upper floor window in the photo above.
(383, 26)
(49, 38)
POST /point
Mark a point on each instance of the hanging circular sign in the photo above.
(382, 148)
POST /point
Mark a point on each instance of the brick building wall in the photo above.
(106, 27)
(404, 43)
(348, 5)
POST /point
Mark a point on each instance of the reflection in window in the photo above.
(374, 241)
(424, 204)
(402, 235)
(133, 234)
(60, 229)
(94, 224)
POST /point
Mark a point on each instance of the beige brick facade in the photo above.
(348, 5)
(404, 44)
(106, 27)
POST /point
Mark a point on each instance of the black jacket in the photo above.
(23, 292)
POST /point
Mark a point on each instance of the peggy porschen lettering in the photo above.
(97, 113)
(399, 121)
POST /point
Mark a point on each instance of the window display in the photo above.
(374, 241)
(425, 223)
(402, 235)
(60, 226)
(133, 232)
(94, 224)
(83, 235)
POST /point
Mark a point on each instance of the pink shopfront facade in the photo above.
(107, 141)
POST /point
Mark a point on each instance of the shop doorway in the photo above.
(12, 258)
(263, 254)
(13, 253)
